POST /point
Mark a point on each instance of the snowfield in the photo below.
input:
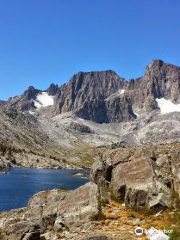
(166, 106)
(43, 100)
(121, 91)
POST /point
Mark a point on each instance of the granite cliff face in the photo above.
(164, 80)
(104, 97)
(161, 80)
(86, 95)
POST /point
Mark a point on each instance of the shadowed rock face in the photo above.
(109, 111)
(140, 176)
(137, 184)
(53, 89)
(85, 94)
(164, 80)
(119, 109)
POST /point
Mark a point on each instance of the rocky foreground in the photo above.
(129, 187)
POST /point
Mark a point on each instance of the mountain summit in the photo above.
(105, 97)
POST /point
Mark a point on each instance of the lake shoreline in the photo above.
(20, 184)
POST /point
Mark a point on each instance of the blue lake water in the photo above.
(20, 184)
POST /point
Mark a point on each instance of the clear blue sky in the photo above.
(44, 41)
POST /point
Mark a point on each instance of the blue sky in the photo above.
(45, 41)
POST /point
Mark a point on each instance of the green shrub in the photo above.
(144, 210)
(1, 234)
(63, 188)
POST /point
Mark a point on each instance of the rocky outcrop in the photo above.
(24, 102)
(76, 127)
(55, 211)
(164, 80)
(160, 80)
(52, 89)
(141, 176)
(4, 163)
(66, 209)
(23, 230)
(151, 104)
(175, 168)
(85, 94)
(136, 183)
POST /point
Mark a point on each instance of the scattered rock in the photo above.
(92, 236)
(23, 230)
(136, 222)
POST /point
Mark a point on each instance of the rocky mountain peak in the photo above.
(159, 68)
(52, 89)
(164, 80)
(155, 63)
(86, 92)
(25, 101)
(30, 93)
(103, 96)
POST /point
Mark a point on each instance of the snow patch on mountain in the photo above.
(166, 106)
(121, 91)
(43, 100)
(137, 115)
(31, 112)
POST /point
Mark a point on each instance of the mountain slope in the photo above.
(94, 109)
(25, 142)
